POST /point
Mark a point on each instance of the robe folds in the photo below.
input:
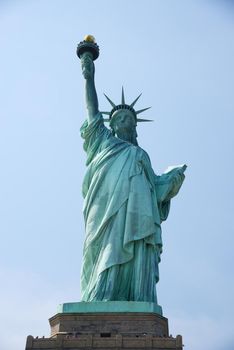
(124, 205)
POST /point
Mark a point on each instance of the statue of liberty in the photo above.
(125, 202)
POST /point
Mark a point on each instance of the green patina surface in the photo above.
(109, 306)
(125, 203)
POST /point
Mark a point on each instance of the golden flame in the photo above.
(89, 38)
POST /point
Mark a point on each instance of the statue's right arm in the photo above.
(91, 99)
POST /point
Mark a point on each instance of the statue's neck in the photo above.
(129, 137)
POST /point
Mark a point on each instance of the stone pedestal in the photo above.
(106, 330)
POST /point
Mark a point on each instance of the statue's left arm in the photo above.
(167, 187)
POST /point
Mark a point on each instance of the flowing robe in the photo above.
(124, 205)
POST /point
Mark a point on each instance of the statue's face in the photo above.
(123, 120)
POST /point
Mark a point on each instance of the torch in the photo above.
(88, 45)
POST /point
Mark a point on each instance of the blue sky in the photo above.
(180, 55)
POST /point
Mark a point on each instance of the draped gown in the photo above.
(124, 205)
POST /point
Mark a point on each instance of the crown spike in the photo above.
(142, 110)
(134, 102)
(109, 100)
(140, 120)
(108, 113)
(123, 98)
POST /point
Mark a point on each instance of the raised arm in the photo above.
(91, 99)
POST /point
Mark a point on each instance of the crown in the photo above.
(122, 106)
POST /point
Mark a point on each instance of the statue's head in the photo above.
(123, 119)
(123, 124)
